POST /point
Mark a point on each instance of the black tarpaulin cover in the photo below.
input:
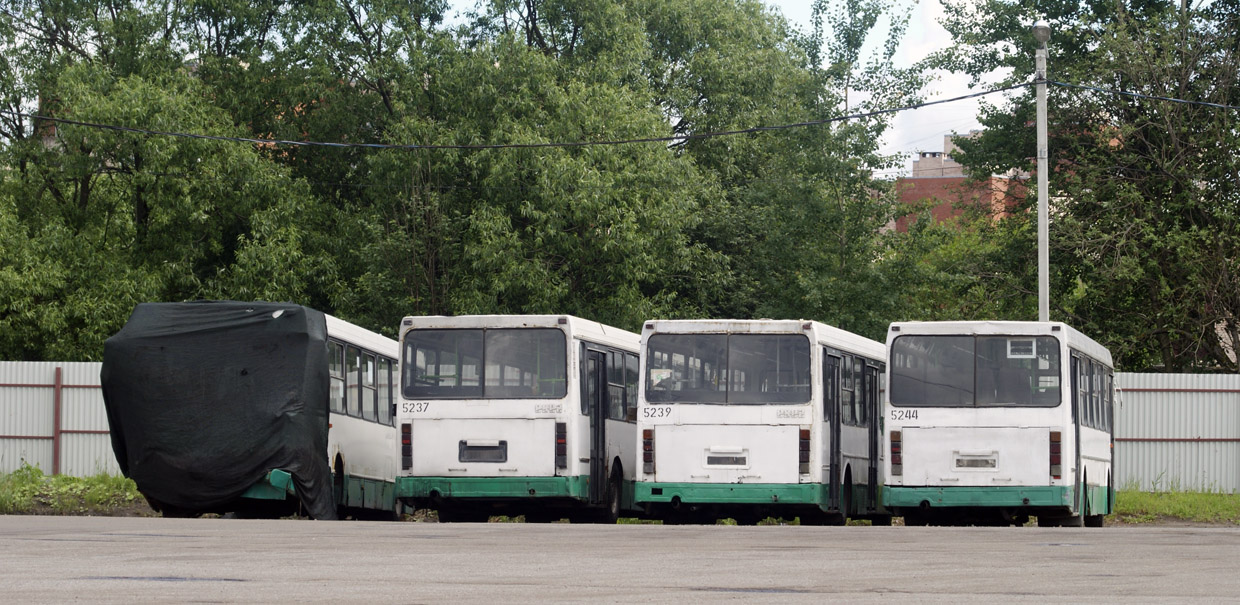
(204, 398)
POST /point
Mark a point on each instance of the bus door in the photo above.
(595, 405)
(873, 430)
(831, 404)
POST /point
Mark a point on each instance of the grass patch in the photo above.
(29, 491)
(1133, 506)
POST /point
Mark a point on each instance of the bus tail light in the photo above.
(406, 446)
(648, 451)
(897, 453)
(1056, 460)
(804, 467)
(561, 445)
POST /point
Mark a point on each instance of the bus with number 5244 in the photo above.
(994, 422)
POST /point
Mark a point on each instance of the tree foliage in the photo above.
(94, 220)
(1143, 192)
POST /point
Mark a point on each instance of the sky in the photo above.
(911, 131)
(916, 130)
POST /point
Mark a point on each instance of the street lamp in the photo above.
(1042, 33)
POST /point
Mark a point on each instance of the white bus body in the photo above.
(361, 440)
(517, 414)
(991, 422)
(755, 418)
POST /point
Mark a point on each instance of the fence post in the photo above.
(57, 386)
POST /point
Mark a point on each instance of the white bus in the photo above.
(253, 408)
(361, 442)
(517, 415)
(991, 422)
(755, 418)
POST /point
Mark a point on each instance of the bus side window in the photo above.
(865, 388)
(615, 386)
(335, 366)
(1109, 393)
(369, 391)
(1099, 411)
(385, 391)
(831, 387)
(847, 395)
(1092, 375)
(353, 384)
(1082, 388)
(630, 386)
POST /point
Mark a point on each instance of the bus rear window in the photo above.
(499, 363)
(733, 369)
(975, 371)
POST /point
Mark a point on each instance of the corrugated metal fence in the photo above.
(1172, 431)
(52, 416)
(1177, 432)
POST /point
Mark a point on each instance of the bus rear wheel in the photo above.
(614, 497)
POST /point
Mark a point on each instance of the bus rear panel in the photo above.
(993, 423)
(749, 419)
(516, 415)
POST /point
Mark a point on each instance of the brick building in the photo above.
(937, 176)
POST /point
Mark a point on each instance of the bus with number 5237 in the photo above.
(746, 419)
(514, 415)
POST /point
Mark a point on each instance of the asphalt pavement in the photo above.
(113, 560)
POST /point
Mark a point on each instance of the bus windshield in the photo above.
(975, 371)
(730, 369)
(497, 363)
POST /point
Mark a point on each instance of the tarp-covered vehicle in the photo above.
(223, 407)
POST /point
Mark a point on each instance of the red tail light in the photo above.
(1056, 460)
(648, 451)
(897, 453)
(561, 445)
(406, 446)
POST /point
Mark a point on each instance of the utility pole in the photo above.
(1042, 32)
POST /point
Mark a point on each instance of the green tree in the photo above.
(1143, 191)
(594, 231)
(103, 219)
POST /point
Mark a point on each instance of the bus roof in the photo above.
(821, 333)
(577, 327)
(1073, 338)
(343, 330)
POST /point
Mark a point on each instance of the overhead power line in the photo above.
(1142, 96)
(664, 139)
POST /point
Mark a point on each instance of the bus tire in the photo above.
(338, 487)
(846, 497)
(614, 496)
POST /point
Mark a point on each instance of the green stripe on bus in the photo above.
(369, 493)
(978, 496)
(493, 487)
(731, 493)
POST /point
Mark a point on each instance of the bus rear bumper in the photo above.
(729, 493)
(999, 497)
(492, 488)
